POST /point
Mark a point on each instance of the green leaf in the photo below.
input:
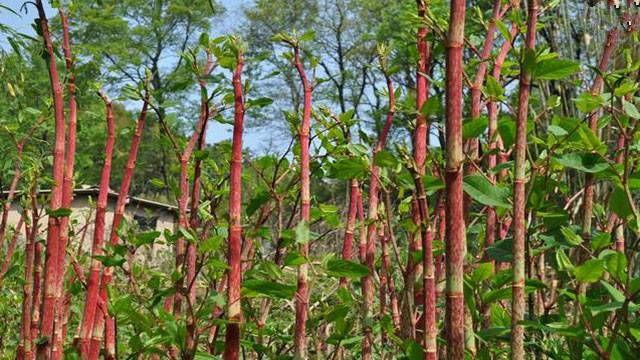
(385, 159)
(630, 109)
(261, 198)
(571, 237)
(259, 102)
(482, 272)
(145, 238)
(270, 289)
(302, 233)
(600, 241)
(555, 69)
(486, 193)
(616, 294)
(619, 203)
(585, 162)
(493, 88)
(474, 128)
(616, 264)
(294, 258)
(414, 351)
(349, 168)
(346, 268)
(590, 271)
(588, 102)
(59, 212)
(564, 263)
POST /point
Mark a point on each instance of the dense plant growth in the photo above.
(442, 179)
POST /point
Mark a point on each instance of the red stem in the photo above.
(302, 292)
(107, 274)
(455, 242)
(519, 195)
(91, 302)
(234, 310)
(52, 266)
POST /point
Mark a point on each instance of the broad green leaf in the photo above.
(619, 203)
(474, 128)
(349, 168)
(269, 289)
(564, 263)
(555, 69)
(346, 268)
(590, 271)
(493, 88)
(482, 272)
(145, 238)
(59, 212)
(486, 193)
(588, 102)
(616, 264)
(616, 294)
(302, 233)
(571, 237)
(259, 102)
(600, 241)
(630, 109)
(385, 158)
(586, 162)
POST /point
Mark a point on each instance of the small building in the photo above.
(146, 215)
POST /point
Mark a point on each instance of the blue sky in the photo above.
(254, 139)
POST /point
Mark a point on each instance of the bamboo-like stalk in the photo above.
(455, 242)
(51, 267)
(372, 217)
(347, 244)
(26, 350)
(519, 196)
(302, 292)
(93, 280)
(67, 190)
(493, 112)
(596, 88)
(102, 330)
(234, 311)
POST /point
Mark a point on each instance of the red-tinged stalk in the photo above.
(91, 302)
(25, 349)
(429, 321)
(373, 217)
(13, 186)
(391, 285)
(234, 253)
(362, 241)
(67, 190)
(51, 267)
(473, 145)
(186, 252)
(302, 292)
(347, 244)
(11, 247)
(519, 195)
(614, 223)
(596, 88)
(455, 242)
(493, 112)
(100, 330)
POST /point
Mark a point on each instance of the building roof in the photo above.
(133, 200)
